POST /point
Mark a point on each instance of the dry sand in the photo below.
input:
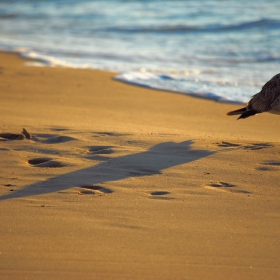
(111, 181)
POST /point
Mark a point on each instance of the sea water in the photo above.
(222, 50)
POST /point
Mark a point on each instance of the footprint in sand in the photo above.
(45, 162)
(105, 133)
(160, 195)
(59, 129)
(257, 146)
(94, 190)
(269, 166)
(11, 136)
(227, 144)
(100, 150)
(225, 187)
(58, 139)
(253, 146)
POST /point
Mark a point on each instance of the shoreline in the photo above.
(124, 182)
(44, 63)
(197, 109)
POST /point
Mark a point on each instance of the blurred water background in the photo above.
(218, 49)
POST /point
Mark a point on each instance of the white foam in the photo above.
(176, 83)
(49, 61)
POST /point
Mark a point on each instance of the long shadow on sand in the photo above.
(150, 162)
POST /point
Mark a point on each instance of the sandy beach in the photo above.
(112, 181)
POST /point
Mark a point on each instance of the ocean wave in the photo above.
(202, 88)
(41, 59)
(211, 49)
(262, 23)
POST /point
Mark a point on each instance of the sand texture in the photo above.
(112, 181)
